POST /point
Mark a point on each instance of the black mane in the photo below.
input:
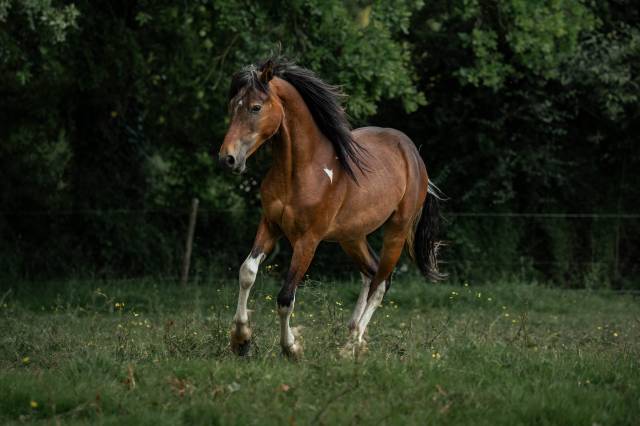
(323, 100)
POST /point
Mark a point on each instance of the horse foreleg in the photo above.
(303, 251)
(266, 238)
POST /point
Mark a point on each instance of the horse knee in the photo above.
(248, 271)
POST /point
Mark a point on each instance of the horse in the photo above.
(326, 183)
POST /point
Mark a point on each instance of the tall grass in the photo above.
(149, 352)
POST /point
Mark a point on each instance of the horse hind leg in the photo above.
(393, 243)
(361, 303)
(367, 261)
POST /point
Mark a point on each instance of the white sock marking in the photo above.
(372, 305)
(361, 303)
(286, 335)
(247, 277)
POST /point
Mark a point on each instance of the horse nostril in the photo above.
(227, 161)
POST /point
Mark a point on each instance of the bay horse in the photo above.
(326, 183)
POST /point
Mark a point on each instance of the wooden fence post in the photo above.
(186, 261)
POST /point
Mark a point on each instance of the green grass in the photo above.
(438, 354)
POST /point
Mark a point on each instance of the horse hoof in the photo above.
(293, 352)
(354, 350)
(240, 340)
(362, 349)
(297, 331)
(241, 348)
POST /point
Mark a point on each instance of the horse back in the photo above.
(395, 175)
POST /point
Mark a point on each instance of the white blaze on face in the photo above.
(329, 173)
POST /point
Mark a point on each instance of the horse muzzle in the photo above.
(231, 163)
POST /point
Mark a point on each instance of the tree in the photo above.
(513, 90)
(135, 104)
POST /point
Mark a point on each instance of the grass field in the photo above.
(145, 352)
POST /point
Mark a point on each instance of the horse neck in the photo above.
(299, 142)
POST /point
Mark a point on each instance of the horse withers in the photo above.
(326, 183)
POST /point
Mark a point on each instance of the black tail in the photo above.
(422, 243)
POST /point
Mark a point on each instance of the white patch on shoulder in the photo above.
(329, 173)
(240, 102)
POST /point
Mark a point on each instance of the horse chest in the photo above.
(288, 219)
(304, 205)
(294, 219)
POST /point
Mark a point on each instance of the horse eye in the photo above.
(256, 108)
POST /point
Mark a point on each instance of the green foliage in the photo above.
(39, 24)
(532, 105)
(607, 64)
(542, 35)
(113, 113)
(136, 100)
(537, 36)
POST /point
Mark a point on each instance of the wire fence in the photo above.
(215, 238)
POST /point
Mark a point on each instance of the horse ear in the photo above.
(266, 72)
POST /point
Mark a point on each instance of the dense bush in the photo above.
(110, 111)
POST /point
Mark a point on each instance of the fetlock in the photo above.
(240, 339)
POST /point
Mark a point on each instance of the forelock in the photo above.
(246, 78)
